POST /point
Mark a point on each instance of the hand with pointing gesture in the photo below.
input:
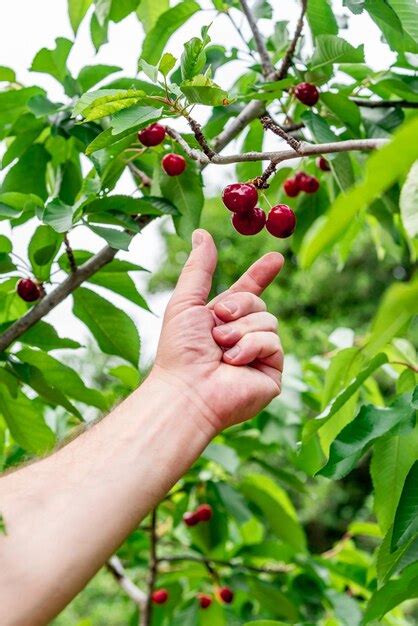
(225, 355)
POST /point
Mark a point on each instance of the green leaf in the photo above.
(398, 305)
(253, 141)
(408, 202)
(405, 524)
(98, 32)
(167, 63)
(42, 249)
(321, 18)
(276, 508)
(134, 118)
(116, 266)
(202, 90)
(129, 376)
(58, 215)
(113, 329)
(14, 103)
(120, 283)
(407, 12)
(333, 49)
(29, 174)
(389, 23)
(273, 600)
(149, 11)
(187, 193)
(223, 455)
(53, 62)
(25, 422)
(45, 337)
(382, 170)
(392, 594)
(345, 110)
(63, 377)
(193, 59)
(266, 622)
(166, 25)
(148, 205)
(7, 75)
(117, 239)
(90, 75)
(97, 104)
(121, 9)
(357, 437)
(77, 9)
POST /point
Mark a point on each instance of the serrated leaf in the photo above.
(193, 58)
(202, 90)
(149, 11)
(90, 75)
(25, 422)
(148, 205)
(392, 594)
(42, 249)
(63, 377)
(117, 239)
(134, 118)
(333, 49)
(58, 215)
(167, 24)
(407, 12)
(357, 437)
(97, 104)
(45, 337)
(321, 18)
(28, 175)
(112, 328)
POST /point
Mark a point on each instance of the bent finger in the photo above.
(252, 347)
(228, 334)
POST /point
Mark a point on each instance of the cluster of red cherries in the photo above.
(302, 181)
(173, 164)
(225, 594)
(248, 219)
(203, 513)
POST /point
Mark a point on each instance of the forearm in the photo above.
(66, 514)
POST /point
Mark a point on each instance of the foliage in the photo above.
(315, 501)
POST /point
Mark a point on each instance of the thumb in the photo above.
(195, 280)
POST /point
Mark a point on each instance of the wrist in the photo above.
(176, 392)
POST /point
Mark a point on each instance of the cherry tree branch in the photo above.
(117, 570)
(146, 615)
(269, 124)
(70, 254)
(266, 63)
(384, 104)
(288, 57)
(233, 564)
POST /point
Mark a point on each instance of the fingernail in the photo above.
(233, 352)
(231, 307)
(197, 238)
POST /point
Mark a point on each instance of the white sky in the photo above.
(28, 25)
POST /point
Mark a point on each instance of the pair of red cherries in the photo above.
(226, 595)
(248, 219)
(203, 513)
(173, 164)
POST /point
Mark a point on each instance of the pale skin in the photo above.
(217, 364)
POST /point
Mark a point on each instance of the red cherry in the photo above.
(323, 164)
(309, 184)
(249, 223)
(159, 596)
(281, 221)
(307, 93)
(152, 135)
(204, 512)
(28, 290)
(204, 600)
(291, 187)
(240, 197)
(190, 518)
(173, 164)
(226, 595)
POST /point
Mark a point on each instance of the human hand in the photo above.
(225, 355)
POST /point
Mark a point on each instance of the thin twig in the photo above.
(137, 173)
(233, 564)
(117, 570)
(197, 155)
(70, 254)
(239, 31)
(288, 57)
(261, 181)
(266, 64)
(146, 616)
(384, 104)
(200, 138)
(269, 124)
